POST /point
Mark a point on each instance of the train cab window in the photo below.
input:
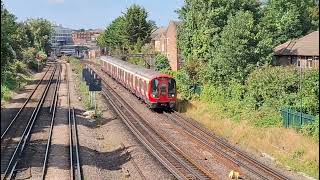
(171, 87)
(154, 87)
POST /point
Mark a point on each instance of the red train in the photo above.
(156, 89)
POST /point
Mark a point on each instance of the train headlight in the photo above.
(172, 95)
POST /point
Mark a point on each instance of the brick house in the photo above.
(155, 38)
(302, 52)
(164, 40)
(83, 37)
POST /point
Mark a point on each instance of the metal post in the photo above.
(90, 98)
(95, 102)
(300, 93)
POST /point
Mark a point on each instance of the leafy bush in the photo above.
(278, 87)
(162, 62)
(12, 78)
(29, 54)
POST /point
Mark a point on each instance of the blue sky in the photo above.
(87, 14)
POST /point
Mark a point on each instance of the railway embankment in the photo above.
(250, 114)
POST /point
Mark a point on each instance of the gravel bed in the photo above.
(108, 150)
(208, 158)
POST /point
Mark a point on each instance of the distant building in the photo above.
(155, 38)
(164, 40)
(86, 37)
(302, 52)
(61, 38)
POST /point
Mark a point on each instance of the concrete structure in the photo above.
(164, 40)
(61, 36)
(302, 52)
(61, 39)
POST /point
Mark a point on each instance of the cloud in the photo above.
(56, 1)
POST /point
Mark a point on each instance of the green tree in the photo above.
(116, 35)
(235, 57)
(203, 21)
(8, 29)
(283, 20)
(101, 40)
(162, 62)
(40, 31)
(138, 28)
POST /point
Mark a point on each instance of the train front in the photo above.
(162, 92)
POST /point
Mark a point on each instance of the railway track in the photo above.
(164, 150)
(223, 148)
(53, 108)
(75, 167)
(22, 152)
(23, 107)
(225, 151)
(74, 163)
(20, 129)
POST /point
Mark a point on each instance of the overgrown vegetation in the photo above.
(81, 86)
(21, 44)
(162, 63)
(228, 46)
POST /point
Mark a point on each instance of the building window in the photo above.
(309, 62)
(293, 61)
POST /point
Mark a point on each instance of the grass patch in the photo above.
(287, 146)
(81, 86)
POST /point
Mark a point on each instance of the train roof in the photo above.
(147, 73)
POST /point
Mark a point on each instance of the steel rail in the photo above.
(70, 127)
(191, 168)
(176, 155)
(54, 95)
(23, 106)
(188, 125)
(26, 133)
(44, 168)
(143, 140)
(79, 172)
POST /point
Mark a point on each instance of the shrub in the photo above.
(311, 129)
(162, 62)
(29, 54)
(279, 87)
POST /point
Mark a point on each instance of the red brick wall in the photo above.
(171, 41)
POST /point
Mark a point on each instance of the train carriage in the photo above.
(156, 89)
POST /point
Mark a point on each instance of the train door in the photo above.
(163, 89)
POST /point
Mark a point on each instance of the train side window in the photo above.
(136, 81)
(140, 84)
(145, 86)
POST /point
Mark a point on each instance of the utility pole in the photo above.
(300, 92)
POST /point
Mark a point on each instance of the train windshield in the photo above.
(171, 87)
(155, 86)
